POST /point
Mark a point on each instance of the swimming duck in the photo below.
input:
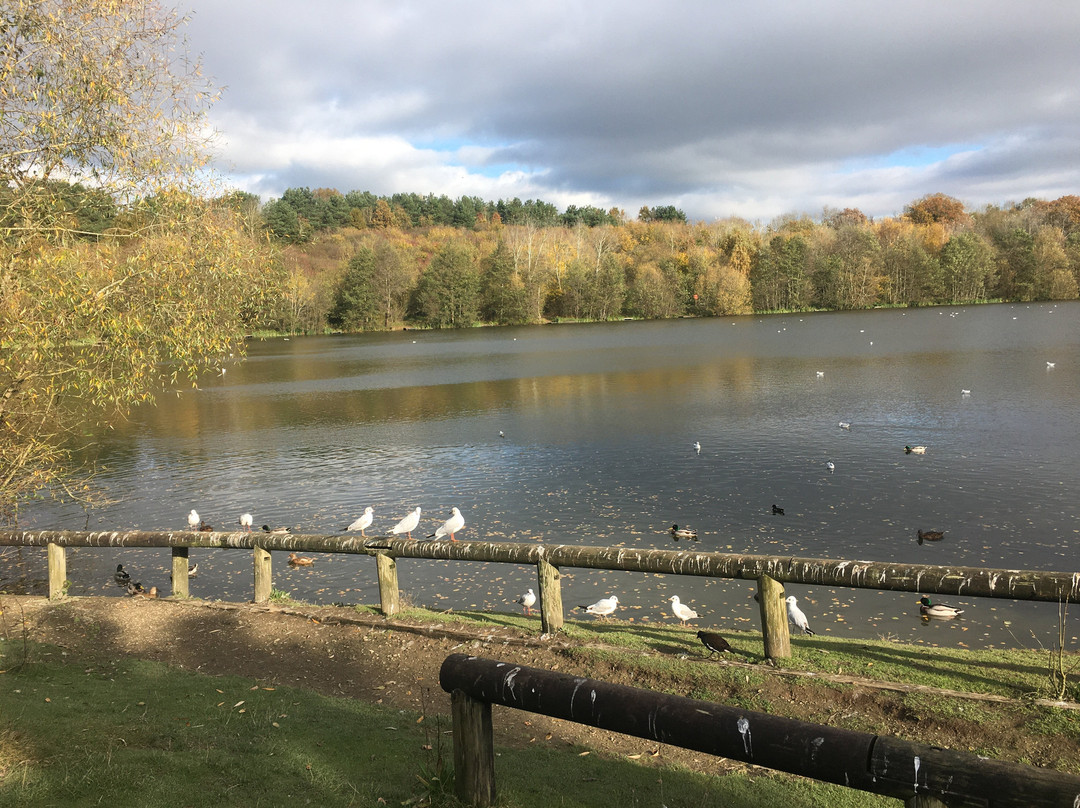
(193, 570)
(134, 588)
(940, 610)
(683, 533)
(929, 535)
(300, 561)
(203, 527)
(268, 529)
(777, 510)
(845, 425)
(915, 450)
(121, 576)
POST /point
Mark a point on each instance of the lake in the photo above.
(584, 433)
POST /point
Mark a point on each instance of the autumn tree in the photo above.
(96, 320)
(936, 208)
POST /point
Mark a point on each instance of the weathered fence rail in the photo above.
(921, 775)
(769, 572)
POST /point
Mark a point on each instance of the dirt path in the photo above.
(340, 652)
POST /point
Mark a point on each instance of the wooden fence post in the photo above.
(57, 571)
(180, 572)
(551, 608)
(388, 583)
(774, 622)
(264, 578)
(474, 750)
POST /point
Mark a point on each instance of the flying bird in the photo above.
(408, 524)
(602, 607)
(451, 526)
(777, 510)
(942, 610)
(193, 519)
(527, 601)
(681, 610)
(246, 520)
(796, 616)
(362, 522)
(929, 535)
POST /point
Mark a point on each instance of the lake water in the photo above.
(599, 423)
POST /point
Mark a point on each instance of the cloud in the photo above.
(718, 108)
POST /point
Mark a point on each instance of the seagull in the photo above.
(929, 535)
(681, 610)
(602, 607)
(965, 393)
(796, 616)
(715, 643)
(914, 450)
(451, 526)
(268, 529)
(942, 610)
(683, 533)
(121, 576)
(246, 520)
(502, 434)
(1050, 365)
(193, 519)
(777, 510)
(821, 374)
(527, 600)
(697, 446)
(408, 524)
(363, 522)
(830, 465)
(845, 425)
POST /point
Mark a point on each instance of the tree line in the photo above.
(375, 274)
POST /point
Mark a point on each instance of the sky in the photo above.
(723, 108)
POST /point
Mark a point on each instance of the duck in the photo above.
(362, 522)
(940, 610)
(268, 529)
(246, 520)
(408, 524)
(830, 465)
(683, 533)
(527, 601)
(204, 527)
(965, 393)
(121, 576)
(776, 509)
(845, 425)
(451, 526)
(193, 570)
(300, 561)
(929, 535)
(681, 610)
(915, 450)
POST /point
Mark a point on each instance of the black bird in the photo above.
(715, 643)
(929, 535)
(776, 510)
(120, 576)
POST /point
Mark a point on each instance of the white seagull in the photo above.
(965, 393)
(527, 601)
(602, 607)
(796, 616)
(821, 374)
(246, 520)
(1050, 365)
(193, 519)
(451, 526)
(845, 425)
(363, 522)
(681, 610)
(831, 466)
(408, 524)
(697, 447)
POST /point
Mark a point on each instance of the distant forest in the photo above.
(358, 262)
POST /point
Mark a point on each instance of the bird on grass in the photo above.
(796, 616)
(602, 607)
(268, 529)
(914, 450)
(944, 611)
(681, 610)
(300, 561)
(193, 520)
(715, 643)
(451, 526)
(777, 510)
(363, 522)
(929, 535)
(246, 520)
(408, 524)
(683, 533)
(527, 601)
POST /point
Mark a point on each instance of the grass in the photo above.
(92, 733)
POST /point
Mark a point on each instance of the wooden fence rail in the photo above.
(921, 775)
(769, 572)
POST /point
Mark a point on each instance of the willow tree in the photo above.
(98, 95)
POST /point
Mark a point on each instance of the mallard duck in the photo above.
(134, 588)
(121, 576)
(683, 533)
(204, 528)
(408, 524)
(929, 535)
(915, 450)
(777, 510)
(681, 610)
(300, 561)
(796, 616)
(246, 520)
(941, 610)
(193, 570)
(268, 529)
(527, 601)
(451, 526)
(363, 522)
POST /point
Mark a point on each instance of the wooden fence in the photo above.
(921, 775)
(769, 572)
